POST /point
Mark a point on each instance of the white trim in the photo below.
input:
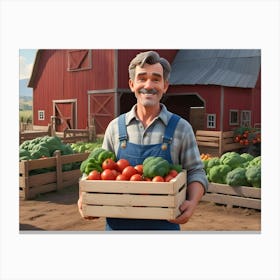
(214, 120)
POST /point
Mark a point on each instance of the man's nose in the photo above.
(148, 84)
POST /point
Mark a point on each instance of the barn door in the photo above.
(65, 114)
(197, 117)
(101, 110)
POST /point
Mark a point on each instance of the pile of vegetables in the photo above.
(102, 165)
(43, 147)
(84, 147)
(247, 136)
(234, 169)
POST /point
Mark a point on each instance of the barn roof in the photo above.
(226, 67)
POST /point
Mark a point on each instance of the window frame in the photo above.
(211, 121)
(230, 117)
(248, 121)
(41, 115)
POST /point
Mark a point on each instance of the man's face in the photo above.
(148, 84)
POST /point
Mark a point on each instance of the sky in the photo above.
(26, 60)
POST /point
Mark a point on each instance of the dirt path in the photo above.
(58, 211)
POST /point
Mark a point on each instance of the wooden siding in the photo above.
(54, 82)
(234, 98)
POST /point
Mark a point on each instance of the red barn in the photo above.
(213, 89)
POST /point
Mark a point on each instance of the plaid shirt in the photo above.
(183, 148)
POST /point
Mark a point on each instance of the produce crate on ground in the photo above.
(242, 196)
(75, 135)
(139, 200)
(216, 142)
(54, 176)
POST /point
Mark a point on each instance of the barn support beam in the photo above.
(222, 109)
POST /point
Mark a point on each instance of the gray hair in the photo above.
(149, 57)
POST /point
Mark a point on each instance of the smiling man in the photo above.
(142, 132)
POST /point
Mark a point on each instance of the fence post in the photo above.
(58, 170)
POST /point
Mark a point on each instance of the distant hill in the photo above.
(23, 89)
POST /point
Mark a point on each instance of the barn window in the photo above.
(246, 118)
(41, 115)
(233, 117)
(211, 120)
(79, 60)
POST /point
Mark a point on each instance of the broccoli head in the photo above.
(253, 175)
(237, 177)
(218, 173)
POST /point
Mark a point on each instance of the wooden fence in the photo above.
(216, 142)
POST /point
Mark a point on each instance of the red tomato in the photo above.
(122, 163)
(173, 173)
(129, 171)
(158, 179)
(94, 175)
(116, 172)
(108, 174)
(139, 168)
(136, 177)
(109, 164)
(147, 179)
(121, 177)
(168, 178)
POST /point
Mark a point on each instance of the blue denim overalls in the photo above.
(136, 154)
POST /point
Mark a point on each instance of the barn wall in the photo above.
(234, 99)
(209, 94)
(54, 82)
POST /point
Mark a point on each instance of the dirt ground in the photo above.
(57, 211)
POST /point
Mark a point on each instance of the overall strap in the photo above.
(122, 130)
(169, 130)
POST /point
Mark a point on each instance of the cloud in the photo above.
(25, 68)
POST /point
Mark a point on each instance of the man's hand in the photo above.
(187, 209)
(79, 203)
(195, 191)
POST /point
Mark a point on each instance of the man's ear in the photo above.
(166, 85)
(131, 85)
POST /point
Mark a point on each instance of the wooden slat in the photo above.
(40, 190)
(207, 144)
(41, 163)
(130, 212)
(232, 200)
(74, 158)
(207, 139)
(208, 133)
(42, 179)
(134, 199)
(128, 200)
(238, 190)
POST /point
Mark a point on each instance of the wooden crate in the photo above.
(75, 135)
(139, 200)
(242, 196)
(32, 185)
(216, 142)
